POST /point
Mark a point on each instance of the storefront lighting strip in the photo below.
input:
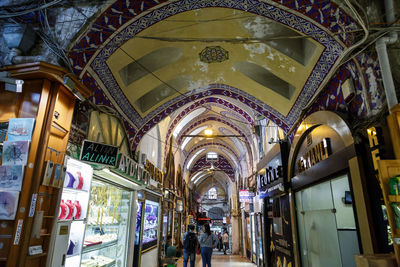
(120, 180)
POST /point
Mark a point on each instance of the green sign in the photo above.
(128, 167)
(98, 153)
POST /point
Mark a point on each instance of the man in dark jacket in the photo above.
(190, 244)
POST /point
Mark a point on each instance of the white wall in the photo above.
(151, 146)
(150, 258)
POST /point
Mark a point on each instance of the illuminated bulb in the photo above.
(208, 132)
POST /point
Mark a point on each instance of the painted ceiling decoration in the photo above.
(213, 54)
(210, 145)
(107, 59)
(221, 164)
(215, 118)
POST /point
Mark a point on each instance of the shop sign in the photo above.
(155, 173)
(130, 168)
(246, 196)
(271, 181)
(99, 153)
(271, 175)
(316, 154)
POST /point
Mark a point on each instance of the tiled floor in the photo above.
(223, 260)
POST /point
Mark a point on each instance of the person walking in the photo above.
(219, 246)
(225, 240)
(207, 242)
(190, 244)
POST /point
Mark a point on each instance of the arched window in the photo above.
(212, 193)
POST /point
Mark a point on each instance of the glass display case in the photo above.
(74, 205)
(108, 223)
(150, 224)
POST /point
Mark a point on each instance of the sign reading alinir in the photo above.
(98, 153)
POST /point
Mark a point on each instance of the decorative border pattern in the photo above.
(222, 164)
(204, 119)
(208, 144)
(199, 104)
(326, 14)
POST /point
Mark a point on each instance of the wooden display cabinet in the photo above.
(45, 98)
(388, 169)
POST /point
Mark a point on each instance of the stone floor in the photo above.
(219, 260)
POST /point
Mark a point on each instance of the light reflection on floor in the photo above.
(223, 260)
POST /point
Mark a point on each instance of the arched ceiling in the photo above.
(211, 64)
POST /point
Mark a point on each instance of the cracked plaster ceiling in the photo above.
(150, 67)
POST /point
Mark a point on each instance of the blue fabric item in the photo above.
(206, 240)
(206, 254)
(189, 255)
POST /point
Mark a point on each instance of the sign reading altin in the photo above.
(97, 153)
(316, 154)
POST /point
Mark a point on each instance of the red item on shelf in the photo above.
(77, 210)
(80, 179)
(70, 209)
(63, 210)
(89, 243)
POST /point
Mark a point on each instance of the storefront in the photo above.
(276, 248)
(246, 203)
(95, 223)
(149, 214)
(328, 197)
(35, 123)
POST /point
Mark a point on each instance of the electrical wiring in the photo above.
(343, 56)
(21, 13)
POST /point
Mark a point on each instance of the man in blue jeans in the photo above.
(190, 244)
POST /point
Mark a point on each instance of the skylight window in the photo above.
(212, 156)
(212, 193)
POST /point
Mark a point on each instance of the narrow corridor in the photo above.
(219, 260)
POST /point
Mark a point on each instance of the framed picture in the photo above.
(11, 177)
(15, 152)
(20, 129)
(8, 204)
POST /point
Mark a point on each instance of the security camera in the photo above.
(271, 141)
(11, 84)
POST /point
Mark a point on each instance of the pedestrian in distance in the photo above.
(219, 241)
(190, 244)
(225, 239)
(207, 242)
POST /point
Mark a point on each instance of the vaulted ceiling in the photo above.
(211, 64)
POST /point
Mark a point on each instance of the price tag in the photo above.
(18, 231)
(33, 205)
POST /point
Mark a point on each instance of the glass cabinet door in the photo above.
(107, 226)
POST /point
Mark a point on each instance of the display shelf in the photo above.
(394, 198)
(87, 249)
(36, 256)
(73, 220)
(73, 255)
(74, 190)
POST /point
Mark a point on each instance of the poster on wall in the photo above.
(8, 204)
(282, 250)
(15, 152)
(11, 177)
(150, 225)
(20, 129)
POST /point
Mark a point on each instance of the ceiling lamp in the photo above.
(208, 132)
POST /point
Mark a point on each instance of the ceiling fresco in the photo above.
(262, 70)
(217, 64)
(222, 164)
